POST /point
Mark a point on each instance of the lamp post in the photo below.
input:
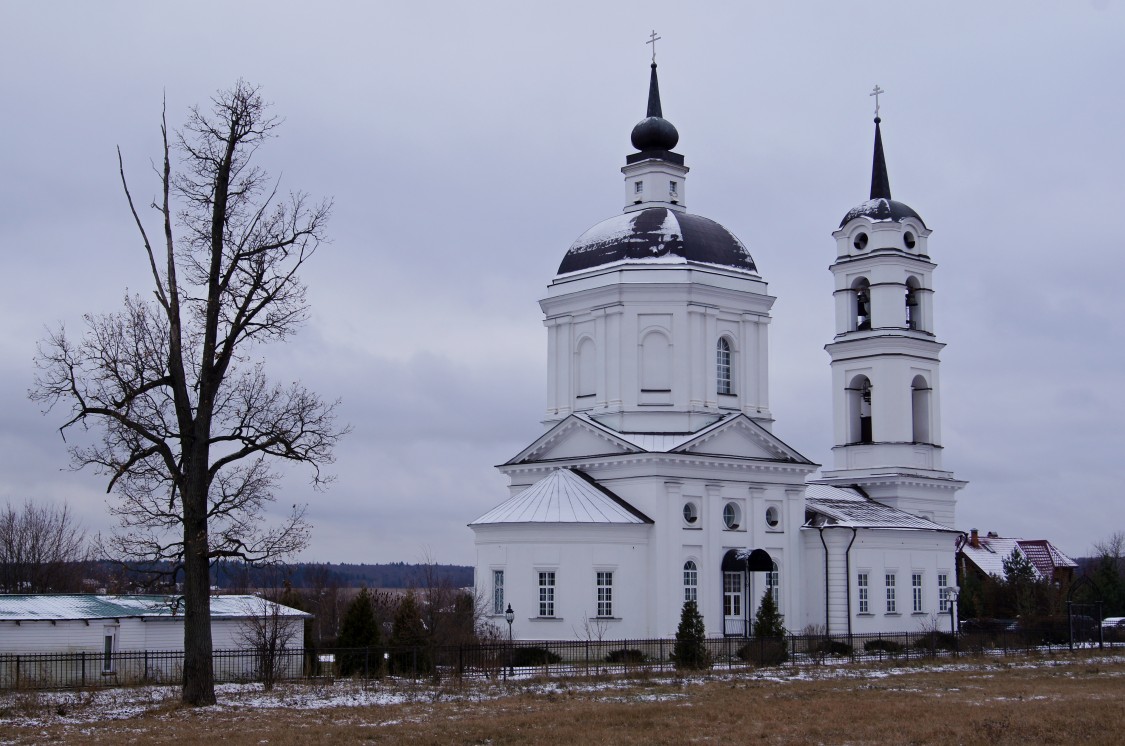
(951, 597)
(509, 617)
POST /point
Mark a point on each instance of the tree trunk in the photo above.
(199, 675)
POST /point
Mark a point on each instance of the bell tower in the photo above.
(885, 357)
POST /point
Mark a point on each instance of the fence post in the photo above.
(587, 657)
(83, 668)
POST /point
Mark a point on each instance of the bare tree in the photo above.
(270, 634)
(187, 422)
(42, 548)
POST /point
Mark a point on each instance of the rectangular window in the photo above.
(638, 187)
(672, 188)
(892, 607)
(732, 594)
(916, 591)
(497, 591)
(861, 584)
(547, 593)
(943, 591)
(772, 578)
(691, 582)
(605, 593)
(110, 647)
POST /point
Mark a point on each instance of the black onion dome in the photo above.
(881, 210)
(657, 235)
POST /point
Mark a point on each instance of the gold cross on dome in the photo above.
(875, 92)
(652, 39)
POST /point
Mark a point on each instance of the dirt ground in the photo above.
(968, 702)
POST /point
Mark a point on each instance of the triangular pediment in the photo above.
(574, 437)
(741, 437)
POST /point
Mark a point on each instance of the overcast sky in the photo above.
(466, 145)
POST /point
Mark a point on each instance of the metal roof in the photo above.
(849, 507)
(59, 607)
(1044, 556)
(564, 496)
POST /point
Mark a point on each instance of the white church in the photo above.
(659, 480)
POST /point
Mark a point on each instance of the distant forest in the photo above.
(231, 576)
(96, 575)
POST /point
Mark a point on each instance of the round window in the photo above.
(860, 242)
(908, 239)
(772, 518)
(691, 513)
(730, 516)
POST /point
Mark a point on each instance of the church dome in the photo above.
(654, 133)
(657, 235)
(881, 210)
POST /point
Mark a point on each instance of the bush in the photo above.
(880, 645)
(827, 646)
(936, 641)
(765, 651)
(534, 656)
(625, 655)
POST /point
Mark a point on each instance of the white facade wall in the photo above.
(877, 553)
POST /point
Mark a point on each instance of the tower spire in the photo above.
(880, 184)
(654, 95)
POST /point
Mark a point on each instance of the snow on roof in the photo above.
(849, 507)
(32, 607)
(563, 496)
(1044, 556)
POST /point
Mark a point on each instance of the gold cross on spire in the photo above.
(652, 39)
(875, 92)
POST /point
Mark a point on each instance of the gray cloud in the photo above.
(466, 146)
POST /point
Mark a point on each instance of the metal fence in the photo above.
(524, 659)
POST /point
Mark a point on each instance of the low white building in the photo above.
(659, 479)
(65, 638)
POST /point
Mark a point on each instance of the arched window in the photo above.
(723, 368)
(656, 362)
(920, 409)
(913, 317)
(859, 410)
(587, 363)
(861, 290)
(773, 586)
(691, 581)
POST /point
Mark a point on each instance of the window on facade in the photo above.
(547, 593)
(638, 187)
(731, 517)
(691, 513)
(605, 593)
(732, 594)
(859, 393)
(497, 591)
(772, 585)
(691, 581)
(862, 310)
(109, 648)
(920, 409)
(912, 315)
(586, 368)
(773, 517)
(672, 189)
(892, 605)
(916, 591)
(723, 369)
(861, 595)
(943, 591)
